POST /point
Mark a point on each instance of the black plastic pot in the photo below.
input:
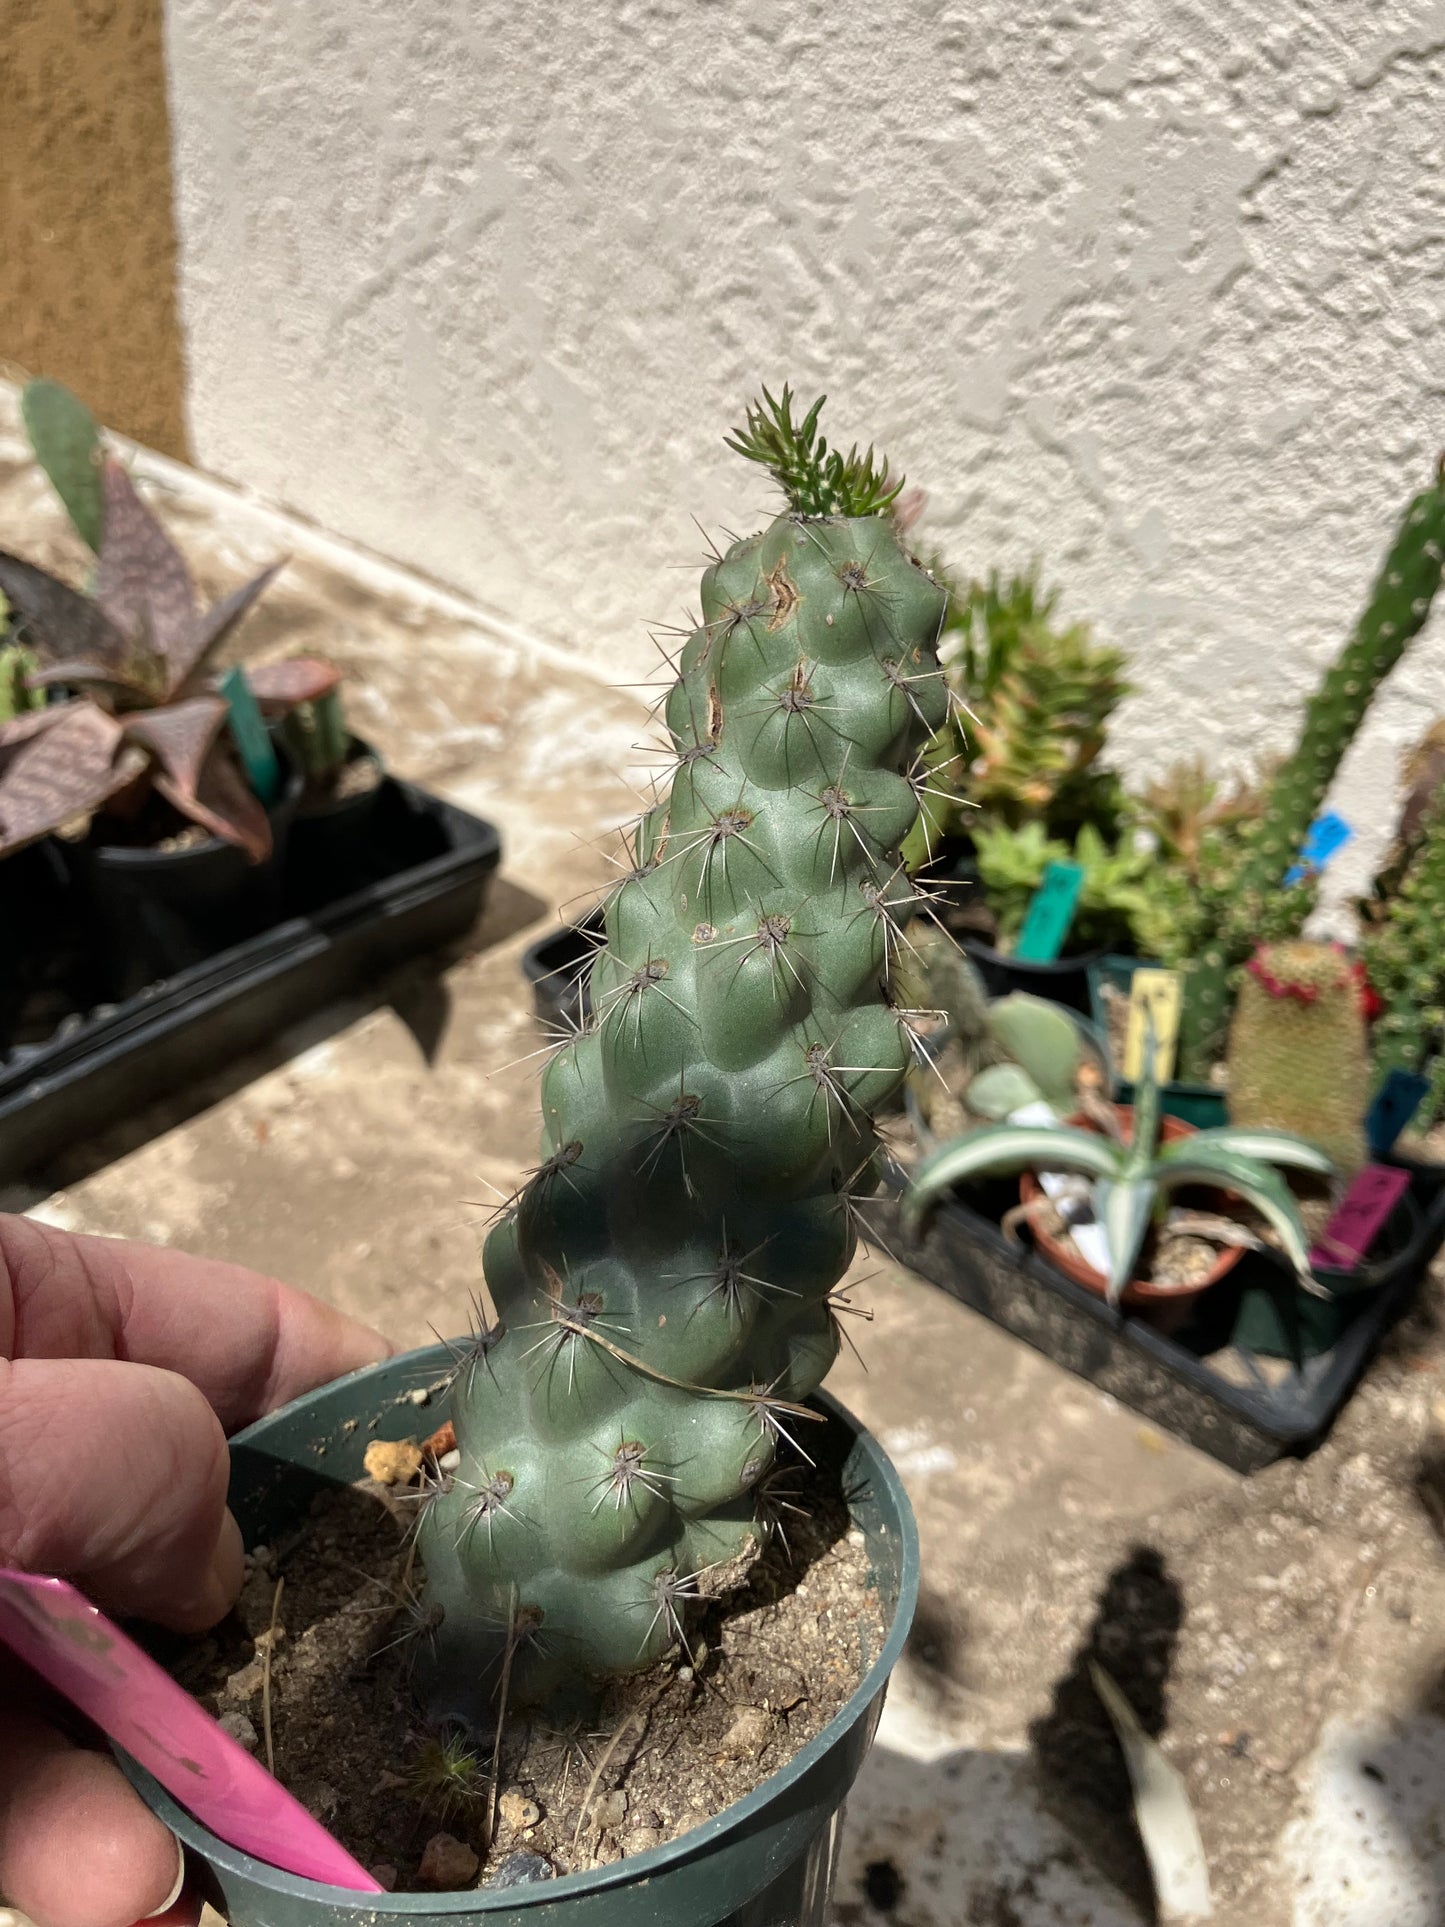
(559, 967)
(1063, 982)
(32, 904)
(766, 1862)
(335, 834)
(434, 866)
(155, 912)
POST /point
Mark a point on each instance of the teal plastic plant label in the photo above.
(248, 730)
(1392, 1107)
(1046, 924)
(1326, 835)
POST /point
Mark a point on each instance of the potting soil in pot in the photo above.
(776, 1649)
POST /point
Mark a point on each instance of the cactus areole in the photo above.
(664, 1283)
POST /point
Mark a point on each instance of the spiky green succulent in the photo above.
(1297, 1053)
(664, 1281)
(1132, 1179)
(1405, 963)
(1034, 698)
(1253, 904)
(1114, 903)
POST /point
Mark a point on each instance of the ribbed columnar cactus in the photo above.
(664, 1281)
(1257, 905)
(1405, 961)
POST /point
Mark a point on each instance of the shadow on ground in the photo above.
(418, 992)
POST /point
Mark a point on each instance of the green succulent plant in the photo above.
(1041, 1047)
(1114, 901)
(135, 658)
(1242, 900)
(1033, 698)
(1132, 1179)
(1405, 968)
(664, 1281)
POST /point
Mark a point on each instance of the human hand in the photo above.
(122, 1369)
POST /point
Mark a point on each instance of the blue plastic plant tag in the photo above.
(1050, 914)
(1327, 834)
(248, 731)
(1392, 1107)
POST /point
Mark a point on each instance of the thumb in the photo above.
(114, 1475)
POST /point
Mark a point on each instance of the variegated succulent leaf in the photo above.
(57, 764)
(195, 772)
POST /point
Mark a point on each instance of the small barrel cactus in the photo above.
(1297, 1052)
(664, 1280)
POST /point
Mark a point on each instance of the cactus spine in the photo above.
(1297, 1054)
(1257, 902)
(663, 1281)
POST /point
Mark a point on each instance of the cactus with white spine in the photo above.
(664, 1281)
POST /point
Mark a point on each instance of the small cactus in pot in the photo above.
(1132, 1177)
(664, 1280)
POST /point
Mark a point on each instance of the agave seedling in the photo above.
(135, 659)
(1132, 1179)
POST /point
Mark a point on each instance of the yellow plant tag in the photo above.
(1153, 994)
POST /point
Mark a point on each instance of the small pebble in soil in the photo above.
(749, 1733)
(245, 1682)
(447, 1864)
(518, 1811)
(521, 1870)
(384, 1874)
(639, 1840)
(239, 1729)
(393, 1461)
(609, 1809)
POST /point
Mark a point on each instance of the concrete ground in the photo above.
(1284, 1635)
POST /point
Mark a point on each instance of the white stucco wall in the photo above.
(1155, 291)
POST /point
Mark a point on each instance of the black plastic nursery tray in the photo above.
(430, 870)
(1244, 1410)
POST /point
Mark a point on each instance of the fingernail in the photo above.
(175, 1893)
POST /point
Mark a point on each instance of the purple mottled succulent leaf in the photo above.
(20, 729)
(61, 625)
(282, 686)
(194, 771)
(142, 582)
(63, 770)
(211, 628)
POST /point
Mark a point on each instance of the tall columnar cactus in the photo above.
(664, 1280)
(1297, 1053)
(1257, 904)
(1406, 969)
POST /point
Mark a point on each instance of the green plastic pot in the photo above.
(1198, 1104)
(1278, 1319)
(767, 1861)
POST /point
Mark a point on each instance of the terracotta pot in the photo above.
(1162, 1304)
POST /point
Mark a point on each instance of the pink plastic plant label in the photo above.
(1359, 1216)
(87, 1658)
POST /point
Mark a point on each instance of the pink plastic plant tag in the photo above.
(1355, 1225)
(88, 1659)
